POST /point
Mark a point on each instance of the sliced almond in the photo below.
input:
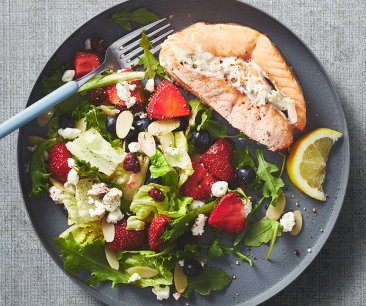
(109, 111)
(180, 279)
(298, 223)
(166, 140)
(147, 143)
(135, 180)
(163, 126)
(108, 230)
(144, 272)
(124, 124)
(81, 125)
(57, 183)
(45, 117)
(35, 140)
(274, 213)
(111, 257)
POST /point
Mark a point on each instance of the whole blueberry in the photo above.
(141, 124)
(66, 121)
(110, 123)
(192, 268)
(246, 174)
(184, 121)
(131, 133)
(201, 139)
(151, 180)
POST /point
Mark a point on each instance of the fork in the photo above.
(115, 58)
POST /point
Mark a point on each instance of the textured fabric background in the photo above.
(31, 30)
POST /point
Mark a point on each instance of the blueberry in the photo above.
(184, 239)
(141, 124)
(184, 121)
(131, 133)
(110, 123)
(246, 174)
(201, 139)
(192, 268)
(151, 180)
(66, 121)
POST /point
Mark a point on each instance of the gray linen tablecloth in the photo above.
(31, 30)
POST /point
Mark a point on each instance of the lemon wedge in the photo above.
(307, 161)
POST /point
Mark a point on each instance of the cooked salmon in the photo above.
(239, 73)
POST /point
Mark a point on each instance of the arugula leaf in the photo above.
(177, 227)
(216, 129)
(103, 80)
(196, 106)
(151, 64)
(277, 228)
(140, 15)
(211, 279)
(38, 170)
(218, 249)
(54, 81)
(243, 157)
(272, 185)
(262, 232)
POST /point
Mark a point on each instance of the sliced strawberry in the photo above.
(198, 185)
(167, 102)
(218, 160)
(229, 214)
(84, 63)
(57, 162)
(114, 99)
(156, 229)
(126, 239)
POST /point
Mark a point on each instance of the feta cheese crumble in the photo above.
(88, 44)
(172, 151)
(71, 162)
(112, 199)
(123, 91)
(97, 189)
(288, 221)
(134, 277)
(68, 76)
(150, 85)
(69, 133)
(115, 216)
(56, 194)
(161, 292)
(134, 147)
(197, 228)
(98, 211)
(73, 177)
(247, 206)
(195, 204)
(219, 188)
(181, 262)
(131, 101)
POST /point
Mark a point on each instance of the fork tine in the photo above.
(134, 34)
(130, 46)
(153, 51)
(140, 49)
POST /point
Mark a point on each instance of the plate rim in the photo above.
(295, 273)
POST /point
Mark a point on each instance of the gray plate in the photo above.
(266, 277)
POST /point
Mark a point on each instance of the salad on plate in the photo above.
(150, 181)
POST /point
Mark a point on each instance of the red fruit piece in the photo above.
(218, 160)
(84, 63)
(156, 229)
(97, 45)
(167, 102)
(57, 162)
(198, 185)
(98, 96)
(229, 214)
(126, 239)
(131, 163)
(156, 194)
(114, 99)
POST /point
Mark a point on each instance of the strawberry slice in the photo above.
(167, 102)
(218, 160)
(126, 239)
(57, 162)
(156, 229)
(229, 214)
(84, 63)
(198, 185)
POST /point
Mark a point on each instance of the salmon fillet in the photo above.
(239, 73)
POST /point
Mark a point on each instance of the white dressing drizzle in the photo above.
(241, 75)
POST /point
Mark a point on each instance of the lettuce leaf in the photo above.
(38, 170)
(140, 15)
(54, 81)
(85, 233)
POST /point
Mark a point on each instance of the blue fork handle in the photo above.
(38, 108)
